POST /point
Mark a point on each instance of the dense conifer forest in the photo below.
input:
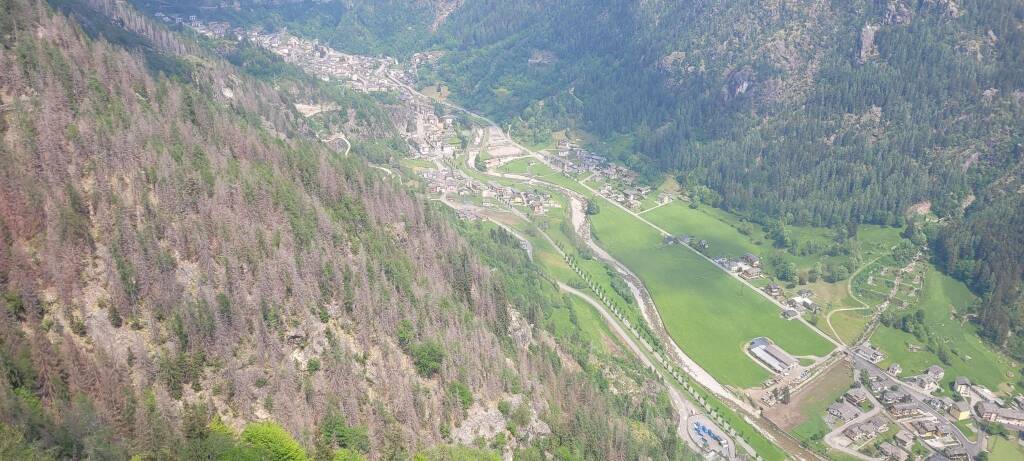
(186, 272)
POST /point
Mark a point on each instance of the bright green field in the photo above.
(971, 358)
(1005, 450)
(709, 314)
(678, 218)
(848, 324)
(721, 228)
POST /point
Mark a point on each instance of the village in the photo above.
(617, 183)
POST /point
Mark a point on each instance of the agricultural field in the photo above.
(416, 164)
(517, 166)
(943, 300)
(708, 313)
(669, 186)
(814, 248)
(679, 219)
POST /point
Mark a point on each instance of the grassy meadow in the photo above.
(708, 313)
(941, 296)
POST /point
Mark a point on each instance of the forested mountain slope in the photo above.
(805, 112)
(180, 258)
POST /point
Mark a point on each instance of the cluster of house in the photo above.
(899, 447)
(772, 356)
(619, 182)
(747, 266)
(362, 73)
(927, 381)
(450, 182)
(848, 408)
(190, 20)
(628, 196)
(867, 430)
(919, 420)
(428, 134)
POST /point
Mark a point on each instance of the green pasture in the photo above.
(708, 313)
(941, 296)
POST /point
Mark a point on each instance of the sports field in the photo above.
(708, 313)
(940, 296)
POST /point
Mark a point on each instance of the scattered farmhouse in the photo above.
(773, 290)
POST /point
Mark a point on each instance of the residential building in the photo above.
(843, 411)
(860, 432)
(895, 369)
(960, 411)
(962, 386)
(904, 410)
(926, 428)
(751, 273)
(1007, 416)
(904, 439)
(869, 353)
(880, 423)
(956, 453)
(855, 396)
(892, 452)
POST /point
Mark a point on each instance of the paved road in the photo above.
(688, 364)
(663, 232)
(837, 432)
(683, 406)
(920, 398)
(340, 136)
